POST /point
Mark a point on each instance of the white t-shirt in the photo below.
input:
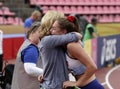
(75, 66)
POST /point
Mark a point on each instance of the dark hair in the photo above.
(94, 20)
(33, 28)
(69, 26)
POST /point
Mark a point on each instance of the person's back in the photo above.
(90, 31)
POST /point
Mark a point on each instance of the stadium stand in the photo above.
(8, 17)
(105, 9)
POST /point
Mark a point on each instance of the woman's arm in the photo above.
(32, 69)
(58, 40)
(78, 52)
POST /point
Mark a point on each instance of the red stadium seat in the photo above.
(67, 10)
(52, 8)
(45, 9)
(80, 9)
(11, 20)
(59, 8)
(73, 9)
(117, 18)
(93, 10)
(112, 9)
(86, 10)
(117, 9)
(1, 12)
(110, 18)
(6, 11)
(105, 10)
(62, 2)
(99, 9)
(18, 21)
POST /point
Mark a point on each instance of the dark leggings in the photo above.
(93, 85)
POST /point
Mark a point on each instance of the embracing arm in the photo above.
(58, 40)
(78, 52)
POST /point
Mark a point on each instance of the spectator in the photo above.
(91, 31)
(35, 16)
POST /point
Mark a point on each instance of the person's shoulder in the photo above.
(27, 19)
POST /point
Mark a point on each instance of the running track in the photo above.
(109, 77)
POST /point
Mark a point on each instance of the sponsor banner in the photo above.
(108, 49)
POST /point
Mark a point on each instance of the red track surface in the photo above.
(109, 77)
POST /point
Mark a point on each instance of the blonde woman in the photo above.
(53, 53)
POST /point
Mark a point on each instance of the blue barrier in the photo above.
(107, 49)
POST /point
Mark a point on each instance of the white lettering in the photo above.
(108, 50)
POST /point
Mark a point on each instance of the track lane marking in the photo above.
(107, 76)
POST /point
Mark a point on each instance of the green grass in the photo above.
(108, 29)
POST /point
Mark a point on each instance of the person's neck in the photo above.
(32, 41)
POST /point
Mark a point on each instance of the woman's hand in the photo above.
(69, 84)
(40, 78)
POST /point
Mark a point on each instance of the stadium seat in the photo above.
(117, 9)
(55, 2)
(18, 21)
(112, 9)
(62, 2)
(45, 9)
(75, 2)
(117, 18)
(99, 9)
(94, 2)
(1, 12)
(117, 2)
(10, 20)
(105, 10)
(100, 2)
(67, 10)
(48, 2)
(80, 9)
(93, 10)
(1, 3)
(32, 2)
(86, 10)
(73, 9)
(1, 20)
(68, 2)
(40, 2)
(110, 18)
(52, 8)
(6, 11)
(59, 8)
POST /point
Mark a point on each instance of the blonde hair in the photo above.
(47, 21)
(35, 12)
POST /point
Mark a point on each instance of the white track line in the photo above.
(107, 76)
(104, 83)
